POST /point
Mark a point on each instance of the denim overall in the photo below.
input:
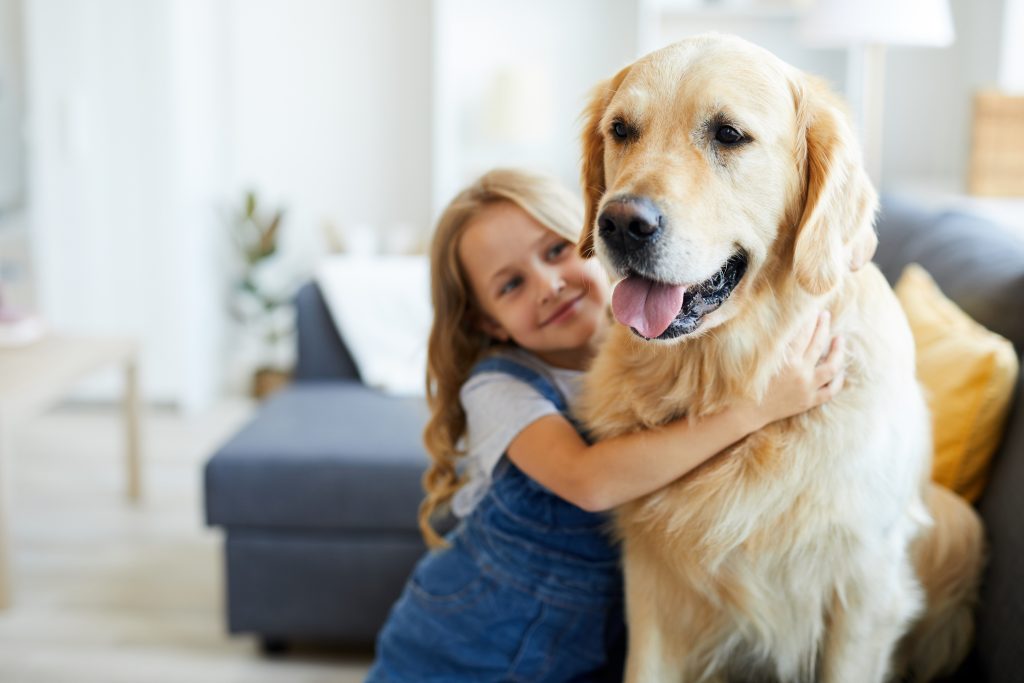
(529, 589)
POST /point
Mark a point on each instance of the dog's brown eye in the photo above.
(620, 130)
(728, 135)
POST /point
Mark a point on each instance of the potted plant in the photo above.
(261, 301)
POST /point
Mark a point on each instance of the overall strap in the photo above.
(541, 384)
(517, 509)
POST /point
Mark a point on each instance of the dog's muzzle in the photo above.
(642, 302)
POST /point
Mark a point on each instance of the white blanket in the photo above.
(381, 307)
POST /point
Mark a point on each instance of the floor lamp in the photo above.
(866, 28)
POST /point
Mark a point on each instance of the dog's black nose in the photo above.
(630, 223)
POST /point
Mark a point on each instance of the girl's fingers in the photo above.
(828, 391)
(799, 341)
(819, 340)
(836, 351)
(832, 364)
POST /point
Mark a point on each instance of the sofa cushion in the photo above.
(322, 455)
(968, 374)
(389, 349)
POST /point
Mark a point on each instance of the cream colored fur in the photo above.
(791, 555)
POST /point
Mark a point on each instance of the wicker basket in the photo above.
(997, 149)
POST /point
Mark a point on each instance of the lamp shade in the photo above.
(842, 23)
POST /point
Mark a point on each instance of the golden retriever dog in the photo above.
(724, 188)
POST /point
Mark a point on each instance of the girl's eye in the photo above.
(510, 285)
(557, 250)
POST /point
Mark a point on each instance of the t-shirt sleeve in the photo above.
(497, 408)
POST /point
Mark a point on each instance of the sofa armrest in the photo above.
(322, 353)
(980, 266)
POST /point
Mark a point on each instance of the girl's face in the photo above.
(533, 287)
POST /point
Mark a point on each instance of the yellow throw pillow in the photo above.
(968, 374)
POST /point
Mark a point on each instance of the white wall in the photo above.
(1011, 67)
(513, 78)
(11, 106)
(929, 99)
(101, 162)
(331, 110)
(149, 120)
(195, 291)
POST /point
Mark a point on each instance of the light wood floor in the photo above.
(106, 592)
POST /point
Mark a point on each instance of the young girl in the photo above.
(527, 587)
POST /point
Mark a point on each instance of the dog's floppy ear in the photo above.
(839, 200)
(592, 174)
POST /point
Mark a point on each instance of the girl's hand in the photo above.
(809, 377)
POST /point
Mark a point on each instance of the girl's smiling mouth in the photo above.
(563, 312)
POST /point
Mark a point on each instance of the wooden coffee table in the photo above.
(35, 377)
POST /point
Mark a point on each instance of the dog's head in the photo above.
(710, 170)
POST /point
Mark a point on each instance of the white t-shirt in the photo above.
(498, 406)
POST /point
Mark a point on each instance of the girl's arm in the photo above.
(611, 472)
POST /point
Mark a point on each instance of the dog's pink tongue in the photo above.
(648, 307)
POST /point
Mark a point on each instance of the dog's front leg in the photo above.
(865, 627)
(666, 626)
(649, 655)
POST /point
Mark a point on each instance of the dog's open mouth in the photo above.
(655, 310)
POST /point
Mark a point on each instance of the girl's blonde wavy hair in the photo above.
(456, 340)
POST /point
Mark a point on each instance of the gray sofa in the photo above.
(318, 497)
(318, 494)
